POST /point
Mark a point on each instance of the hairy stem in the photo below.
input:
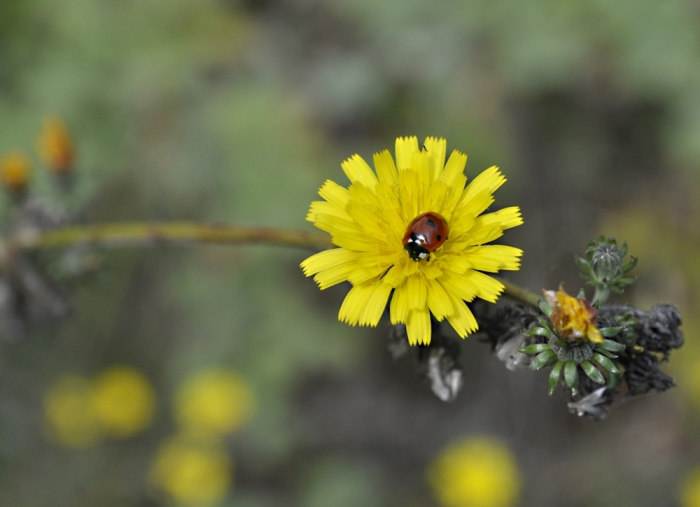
(139, 234)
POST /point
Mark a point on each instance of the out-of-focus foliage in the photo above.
(236, 111)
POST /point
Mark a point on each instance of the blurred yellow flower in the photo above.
(213, 403)
(69, 417)
(55, 146)
(15, 171)
(573, 318)
(690, 489)
(191, 472)
(124, 401)
(475, 472)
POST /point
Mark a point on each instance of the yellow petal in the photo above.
(335, 224)
(386, 170)
(451, 199)
(455, 167)
(493, 258)
(418, 327)
(488, 288)
(420, 164)
(328, 208)
(462, 320)
(334, 193)
(357, 170)
(490, 180)
(326, 260)
(354, 303)
(362, 275)
(335, 275)
(417, 291)
(353, 241)
(376, 305)
(392, 212)
(400, 305)
(438, 301)
(436, 149)
(436, 194)
(475, 204)
(506, 218)
(410, 194)
(458, 285)
(405, 147)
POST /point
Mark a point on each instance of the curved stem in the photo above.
(519, 293)
(139, 234)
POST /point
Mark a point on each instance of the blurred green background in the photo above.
(236, 111)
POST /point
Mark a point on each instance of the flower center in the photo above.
(425, 234)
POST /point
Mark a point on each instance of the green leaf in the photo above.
(581, 294)
(593, 372)
(606, 363)
(544, 306)
(538, 331)
(543, 322)
(607, 332)
(630, 264)
(571, 375)
(623, 250)
(554, 376)
(614, 380)
(584, 266)
(625, 281)
(546, 358)
(606, 353)
(535, 348)
(612, 346)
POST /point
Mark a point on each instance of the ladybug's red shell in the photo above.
(425, 234)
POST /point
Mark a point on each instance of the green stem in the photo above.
(519, 293)
(152, 234)
(139, 234)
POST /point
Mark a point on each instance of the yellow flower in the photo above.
(55, 146)
(69, 417)
(213, 403)
(124, 401)
(476, 472)
(369, 220)
(191, 472)
(690, 489)
(573, 318)
(15, 171)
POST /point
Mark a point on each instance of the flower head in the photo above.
(573, 318)
(55, 146)
(475, 472)
(15, 171)
(124, 401)
(213, 403)
(389, 226)
(192, 472)
(69, 418)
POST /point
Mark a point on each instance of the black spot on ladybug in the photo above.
(430, 223)
(439, 238)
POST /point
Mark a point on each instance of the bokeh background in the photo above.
(236, 112)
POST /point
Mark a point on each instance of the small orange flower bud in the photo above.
(573, 318)
(55, 146)
(15, 171)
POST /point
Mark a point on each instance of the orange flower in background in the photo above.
(55, 146)
(573, 318)
(15, 171)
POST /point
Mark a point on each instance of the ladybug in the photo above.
(426, 233)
